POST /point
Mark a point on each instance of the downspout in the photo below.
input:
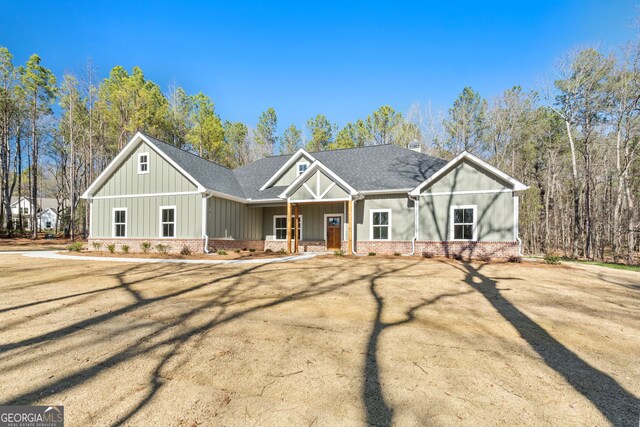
(204, 223)
(416, 212)
(353, 218)
(516, 222)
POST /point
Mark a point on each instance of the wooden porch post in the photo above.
(350, 219)
(296, 225)
(288, 226)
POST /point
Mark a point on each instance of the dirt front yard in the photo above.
(321, 342)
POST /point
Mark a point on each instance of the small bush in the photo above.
(268, 251)
(457, 257)
(124, 249)
(111, 248)
(514, 259)
(484, 258)
(397, 254)
(237, 251)
(244, 249)
(338, 253)
(427, 254)
(252, 249)
(185, 250)
(282, 251)
(371, 254)
(96, 245)
(221, 252)
(552, 259)
(146, 246)
(75, 247)
(163, 249)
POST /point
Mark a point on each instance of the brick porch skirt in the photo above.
(175, 245)
(467, 250)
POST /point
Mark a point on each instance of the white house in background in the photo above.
(47, 212)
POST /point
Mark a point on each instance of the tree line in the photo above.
(574, 142)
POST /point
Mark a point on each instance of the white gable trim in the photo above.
(300, 153)
(517, 185)
(316, 166)
(123, 154)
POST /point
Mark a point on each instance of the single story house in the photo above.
(383, 199)
(47, 212)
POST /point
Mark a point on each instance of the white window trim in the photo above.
(302, 162)
(140, 171)
(474, 228)
(284, 216)
(342, 227)
(113, 223)
(371, 212)
(175, 222)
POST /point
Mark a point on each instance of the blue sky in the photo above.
(303, 58)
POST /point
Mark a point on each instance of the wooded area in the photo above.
(575, 142)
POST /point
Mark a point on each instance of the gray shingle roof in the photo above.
(378, 167)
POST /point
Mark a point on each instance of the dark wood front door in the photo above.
(334, 232)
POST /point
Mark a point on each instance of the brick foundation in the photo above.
(176, 245)
(231, 244)
(303, 245)
(466, 250)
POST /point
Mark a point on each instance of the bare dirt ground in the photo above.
(328, 341)
(211, 256)
(20, 244)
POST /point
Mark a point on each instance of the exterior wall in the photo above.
(402, 215)
(312, 220)
(466, 177)
(162, 177)
(174, 245)
(495, 211)
(143, 216)
(45, 216)
(227, 219)
(291, 174)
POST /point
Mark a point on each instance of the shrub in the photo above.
(111, 248)
(514, 259)
(339, 252)
(75, 247)
(427, 254)
(371, 254)
(237, 251)
(96, 245)
(282, 251)
(396, 254)
(457, 257)
(551, 259)
(244, 249)
(185, 250)
(221, 252)
(252, 249)
(146, 246)
(163, 249)
(268, 251)
(124, 249)
(484, 258)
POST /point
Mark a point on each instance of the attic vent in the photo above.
(415, 146)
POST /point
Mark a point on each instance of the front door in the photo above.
(334, 232)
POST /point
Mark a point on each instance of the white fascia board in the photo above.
(316, 165)
(123, 154)
(390, 191)
(517, 185)
(300, 153)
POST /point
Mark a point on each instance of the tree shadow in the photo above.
(378, 411)
(614, 402)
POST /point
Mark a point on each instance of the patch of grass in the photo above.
(185, 250)
(221, 252)
(75, 247)
(96, 245)
(338, 253)
(371, 254)
(605, 264)
(124, 249)
(552, 259)
(145, 246)
(111, 248)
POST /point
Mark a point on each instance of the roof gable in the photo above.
(301, 154)
(317, 180)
